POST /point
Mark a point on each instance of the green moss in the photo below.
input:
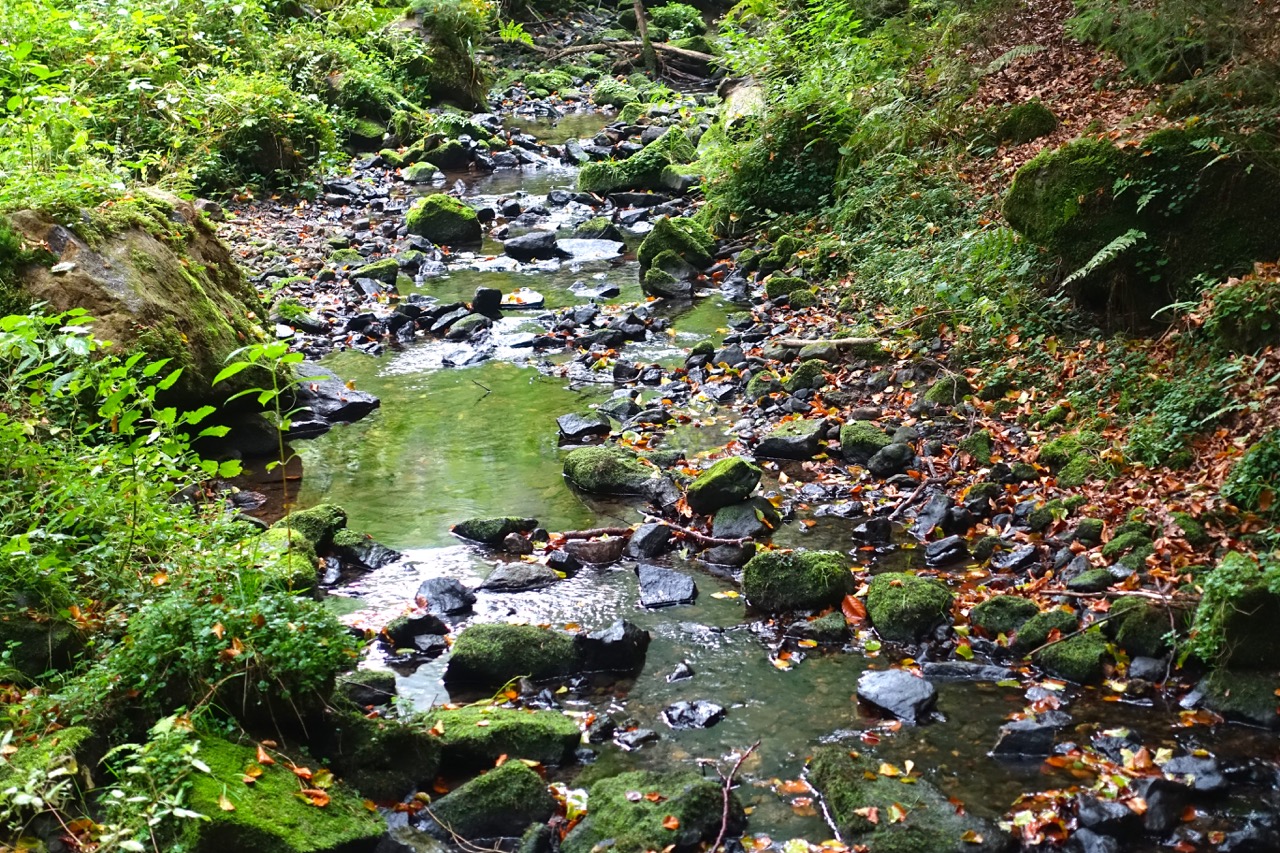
(800, 299)
(1055, 415)
(1044, 515)
(1245, 314)
(548, 737)
(619, 821)
(549, 81)
(1192, 531)
(777, 581)
(783, 285)
(487, 656)
(608, 470)
(421, 172)
(904, 608)
(317, 524)
(287, 561)
(1082, 468)
(658, 282)
(1002, 614)
(443, 219)
(1246, 696)
(1036, 630)
(1089, 530)
(761, 385)
(491, 531)
(726, 482)
(449, 154)
(860, 440)
(1142, 627)
(948, 390)
(1067, 446)
(1025, 122)
(984, 548)
(978, 446)
(391, 157)
(642, 171)
(609, 92)
(682, 236)
(1081, 658)
(384, 760)
(269, 816)
(384, 270)
(1061, 199)
(502, 802)
(1124, 542)
(1236, 618)
(345, 257)
(1023, 472)
(597, 228)
(1254, 475)
(854, 792)
(810, 374)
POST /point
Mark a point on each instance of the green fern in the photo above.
(1011, 56)
(1107, 254)
(513, 31)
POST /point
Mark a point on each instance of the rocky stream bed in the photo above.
(850, 687)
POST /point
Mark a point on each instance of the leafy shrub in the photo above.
(680, 19)
(1252, 481)
(1244, 314)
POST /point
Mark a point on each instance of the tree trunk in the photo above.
(646, 49)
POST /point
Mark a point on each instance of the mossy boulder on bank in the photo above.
(37, 647)
(904, 608)
(486, 657)
(501, 803)
(683, 237)
(383, 759)
(609, 470)
(288, 560)
(1025, 122)
(642, 171)
(476, 736)
(444, 220)
(860, 440)
(687, 812)
(860, 803)
(777, 581)
(1235, 622)
(154, 277)
(317, 525)
(1037, 630)
(269, 816)
(728, 481)
(1142, 627)
(1143, 223)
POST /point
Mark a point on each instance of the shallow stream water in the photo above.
(453, 443)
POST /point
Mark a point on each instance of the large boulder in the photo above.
(860, 805)
(687, 811)
(476, 736)
(269, 816)
(486, 657)
(501, 803)
(643, 171)
(444, 220)
(1237, 615)
(383, 759)
(728, 481)
(684, 238)
(904, 608)
(155, 278)
(776, 581)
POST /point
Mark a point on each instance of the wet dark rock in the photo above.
(965, 671)
(946, 552)
(876, 531)
(661, 587)
(750, 519)
(596, 551)
(515, 543)
(698, 714)
(430, 645)
(932, 514)
(1148, 669)
(902, 694)
(635, 738)
(601, 729)
(1088, 841)
(649, 540)
(1020, 558)
(487, 302)
(1032, 737)
(729, 555)
(799, 439)
(576, 427)
(401, 631)
(559, 561)
(620, 647)
(1106, 817)
(328, 397)
(829, 629)
(534, 246)
(515, 577)
(1165, 803)
(446, 596)
(367, 687)
(890, 460)
(361, 550)
(1200, 774)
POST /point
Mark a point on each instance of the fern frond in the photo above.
(1011, 56)
(1107, 254)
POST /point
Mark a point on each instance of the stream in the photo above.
(451, 443)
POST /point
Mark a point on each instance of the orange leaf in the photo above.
(316, 797)
(218, 630)
(853, 609)
(671, 822)
(263, 758)
(654, 797)
(301, 772)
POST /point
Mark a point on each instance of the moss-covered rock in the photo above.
(287, 560)
(488, 656)
(501, 803)
(1067, 446)
(445, 220)
(421, 172)
(491, 531)
(662, 284)
(680, 235)
(777, 581)
(37, 647)
(1248, 697)
(1141, 627)
(687, 812)
(1192, 530)
(609, 470)
(609, 92)
(1235, 621)
(978, 446)
(728, 481)
(549, 81)
(778, 286)
(802, 299)
(383, 759)
(1081, 658)
(477, 735)
(269, 816)
(1025, 122)
(809, 374)
(904, 608)
(860, 440)
(317, 525)
(642, 171)
(1091, 580)
(450, 155)
(1045, 514)
(1123, 543)
(1002, 614)
(854, 791)
(1035, 631)
(761, 385)
(384, 270)
(948, 390)
(756, 518)
(1089, 530)
(598, 228)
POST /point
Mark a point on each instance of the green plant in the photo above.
(1252, 482)
(513, 32)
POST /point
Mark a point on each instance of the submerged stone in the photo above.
(905, 696)
(491, 531)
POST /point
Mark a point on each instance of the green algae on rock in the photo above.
(477, 735)
(608, 470)
(1002, 614)
(491, 531)
(444, 220)
(728, 481)
(904, 608)
(777, 581)
(501, 803)
(623, 823)
(487, 656)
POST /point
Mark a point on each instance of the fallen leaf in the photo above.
(671, 822)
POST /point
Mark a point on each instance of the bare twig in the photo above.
(911, 498)
(726, 789)
(596, 531)
(695, 535)
(1183, 600)
(794, 343)
(633, 45)
(1066, 637)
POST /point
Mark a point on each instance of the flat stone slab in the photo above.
(661, 587)
(902, 694)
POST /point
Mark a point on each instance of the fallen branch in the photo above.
(595, 532)
(633, 45)
(796, 343)
(911, 498)
(693, 534)
(726, 790)
(1182, 600)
